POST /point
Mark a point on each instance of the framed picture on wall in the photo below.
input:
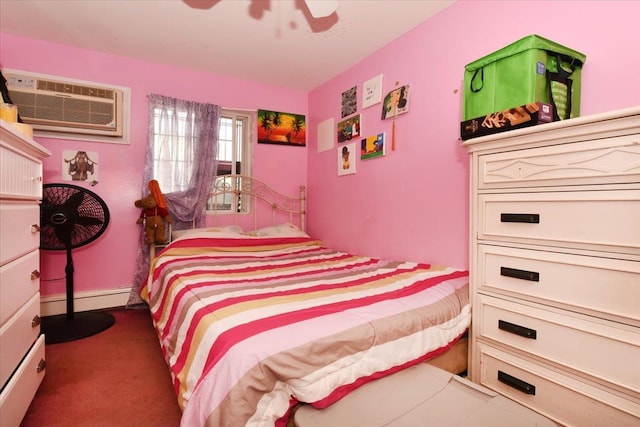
(372, 147)
(279, 128)
(396, 102)
(349, 129)
(372, 91)
(79, 165)
(325, 135)
(349, 101)
(347, 158)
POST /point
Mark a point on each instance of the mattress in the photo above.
(250, 326)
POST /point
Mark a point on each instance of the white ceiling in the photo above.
(274, 42)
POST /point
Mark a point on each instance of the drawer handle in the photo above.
(526, 218)
(516, 383)
(36, 321)
(531, 276)
(41, 365)
(35, 274)
(35, 228)
(517, 329)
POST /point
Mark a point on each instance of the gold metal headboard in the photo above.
(246, 189)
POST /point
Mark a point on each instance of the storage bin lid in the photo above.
(529, 42)
(421, 395)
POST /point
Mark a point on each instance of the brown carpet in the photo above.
(117, 378)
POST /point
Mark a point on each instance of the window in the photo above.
(234, 143)
(173, 157)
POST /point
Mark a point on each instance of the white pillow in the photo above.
(233, 229)
(282, 230)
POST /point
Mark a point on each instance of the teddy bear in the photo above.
(154, 215)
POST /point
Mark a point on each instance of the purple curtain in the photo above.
(179, 132)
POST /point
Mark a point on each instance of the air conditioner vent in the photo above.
(52, 86)
(63, 106)
(60, 109)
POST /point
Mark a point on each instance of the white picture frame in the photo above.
(80, 166)
(347, 154)
(372, 91)
(326, 134)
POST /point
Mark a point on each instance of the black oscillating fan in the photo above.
(70, 217)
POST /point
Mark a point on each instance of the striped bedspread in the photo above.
(250, 326)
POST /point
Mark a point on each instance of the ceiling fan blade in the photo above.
(322, 8)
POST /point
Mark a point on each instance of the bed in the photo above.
(253, 324)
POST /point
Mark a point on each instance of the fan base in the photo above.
(59, 329)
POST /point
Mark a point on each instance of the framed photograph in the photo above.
(80, 166)
(349, 129)
(372, 147)
(372, 92)
(396, 102)
(347, 158)
(281, 128)
(349, 102)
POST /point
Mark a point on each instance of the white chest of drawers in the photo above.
(21, 348)
(555, 267)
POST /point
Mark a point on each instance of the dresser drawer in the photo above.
(19, 281)
(598, 220)
(18, 393)
(573, 341)
(17, 335)
(561, 398)
(615, 160)
(19, 229)
(21, 174)
(606, 287)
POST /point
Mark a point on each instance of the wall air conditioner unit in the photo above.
(56, 104)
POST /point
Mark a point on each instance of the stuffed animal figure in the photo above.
(154, 215)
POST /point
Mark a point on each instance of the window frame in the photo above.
(245, 119)
(248, 119)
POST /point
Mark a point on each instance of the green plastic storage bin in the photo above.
(525, 71)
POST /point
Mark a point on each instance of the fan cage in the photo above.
(71, 216)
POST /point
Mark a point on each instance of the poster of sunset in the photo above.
(281, 128)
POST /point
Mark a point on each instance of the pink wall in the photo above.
(109, 262)
(413, 203)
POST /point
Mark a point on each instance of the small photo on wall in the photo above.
(396, 102)
(372, 147)
(79, 165)
(349, 129)
(347, 159)
(349, 101)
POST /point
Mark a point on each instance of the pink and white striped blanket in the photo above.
(251, 326)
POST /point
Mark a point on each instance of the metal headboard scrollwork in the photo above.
(242, 189)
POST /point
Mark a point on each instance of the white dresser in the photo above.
(21, 349)
(555, 267)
